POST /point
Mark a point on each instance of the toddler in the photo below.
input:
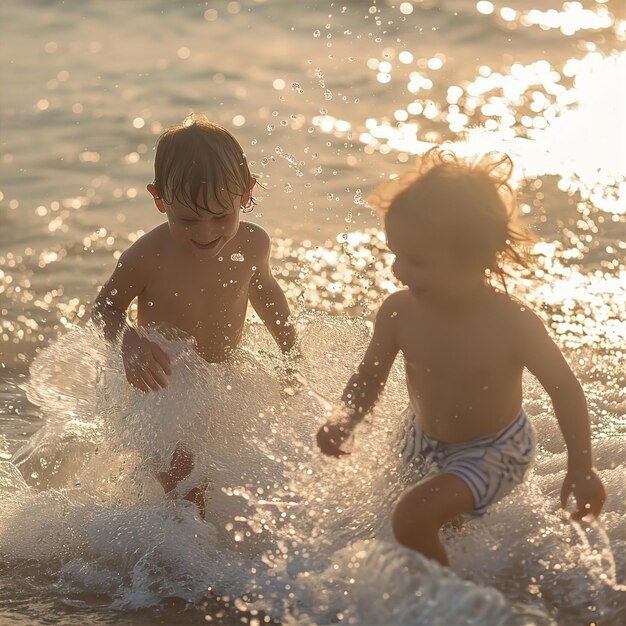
(465, 345)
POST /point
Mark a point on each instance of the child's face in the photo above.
(201, 232)
(204, 233)
(427, 268)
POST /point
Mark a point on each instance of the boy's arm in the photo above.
(364, 387)
(144, 361)
(545, 361)
(266, 295)
(109, 309)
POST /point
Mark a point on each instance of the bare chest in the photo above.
(207, 304)
(444, 351)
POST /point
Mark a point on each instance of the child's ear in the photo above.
(155, 196)
(245, 199)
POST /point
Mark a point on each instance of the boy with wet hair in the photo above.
(196, 271)
(465, 344)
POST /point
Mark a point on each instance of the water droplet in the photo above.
(113, 292)
(316, 33)
(150, 303)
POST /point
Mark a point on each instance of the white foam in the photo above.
(306, 537)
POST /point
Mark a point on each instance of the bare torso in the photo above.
(205, 299)
(463, 376)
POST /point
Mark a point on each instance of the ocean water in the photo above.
(327, 98)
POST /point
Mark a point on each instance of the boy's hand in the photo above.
(146, 364)
(588, 491)
(332, 436)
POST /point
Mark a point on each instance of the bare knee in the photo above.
(411, 523)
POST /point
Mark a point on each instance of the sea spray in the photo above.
(297, 535)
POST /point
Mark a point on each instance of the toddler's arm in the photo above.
(266, 295)
(145, 363)
(364, 387)
(545, 361)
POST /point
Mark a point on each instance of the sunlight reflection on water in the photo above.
(334, 99)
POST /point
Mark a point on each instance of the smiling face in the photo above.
(420, 264)
(203, 233)
(426, 264)
(201, 181)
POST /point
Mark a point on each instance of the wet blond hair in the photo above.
(467, 205)
(197, 160)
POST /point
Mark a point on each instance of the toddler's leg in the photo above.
(181, 466)
(423, 509)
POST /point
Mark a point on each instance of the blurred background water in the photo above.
(327, 99)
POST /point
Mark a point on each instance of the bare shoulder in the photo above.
(516, 310)
(134, 269)
(253, 238)
(401, 302)
(393, 307)
(141, 254)
(522, 323)
(397, 300)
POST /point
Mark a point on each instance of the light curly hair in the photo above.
(468, 206)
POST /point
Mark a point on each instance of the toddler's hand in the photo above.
(146, 364)
(588, 491)
(332, 436)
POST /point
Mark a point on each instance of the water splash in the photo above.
(300, 537)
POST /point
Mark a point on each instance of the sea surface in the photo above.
(327, 99)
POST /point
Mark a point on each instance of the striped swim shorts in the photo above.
(491, 466)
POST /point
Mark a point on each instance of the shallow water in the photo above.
(326, 101)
